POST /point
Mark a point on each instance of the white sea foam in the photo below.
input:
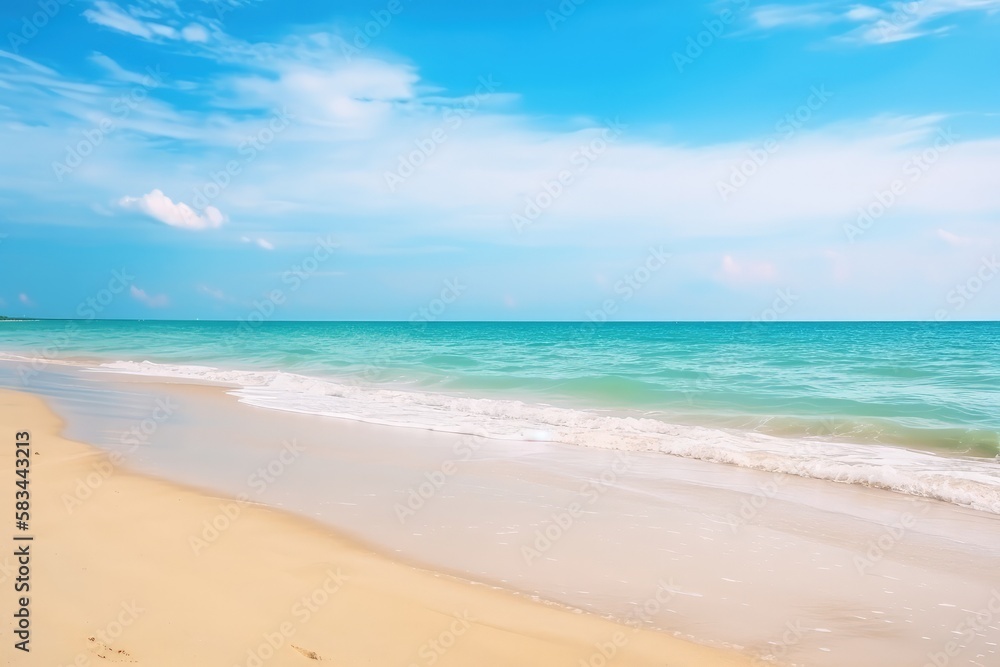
(964, 481)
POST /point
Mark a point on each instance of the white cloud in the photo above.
(25, 299)
(160, 207)
(863, 13)
(140, 295)
(359, 94)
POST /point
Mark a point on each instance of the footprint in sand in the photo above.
(312, 655)
(105, 652)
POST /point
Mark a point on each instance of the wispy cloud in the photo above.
(157, 301)
(116, 71)
(138, 22)
(964, 240)
(212, 292)
(27, 63)
(743, 272)
(261, 243)
(876, 23)
(800, 16)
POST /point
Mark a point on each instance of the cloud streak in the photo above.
(877, 23)
(157, 301)
(110, 15)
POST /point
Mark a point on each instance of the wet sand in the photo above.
(147, 572)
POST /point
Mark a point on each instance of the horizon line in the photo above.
(425, 322)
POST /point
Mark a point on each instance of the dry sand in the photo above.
(116, 578)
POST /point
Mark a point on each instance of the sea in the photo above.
(911, 407)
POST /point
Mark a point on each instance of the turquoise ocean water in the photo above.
(777, 388)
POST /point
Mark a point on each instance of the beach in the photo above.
(116, 581)
(474, 334)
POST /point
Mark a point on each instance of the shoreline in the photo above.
(911, 470)
(116, 572)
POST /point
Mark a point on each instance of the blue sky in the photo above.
(827, 160)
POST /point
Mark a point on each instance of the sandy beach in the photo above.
(119, 580)
(472, 334)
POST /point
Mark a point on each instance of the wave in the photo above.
(965, 481)
(873, 430)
